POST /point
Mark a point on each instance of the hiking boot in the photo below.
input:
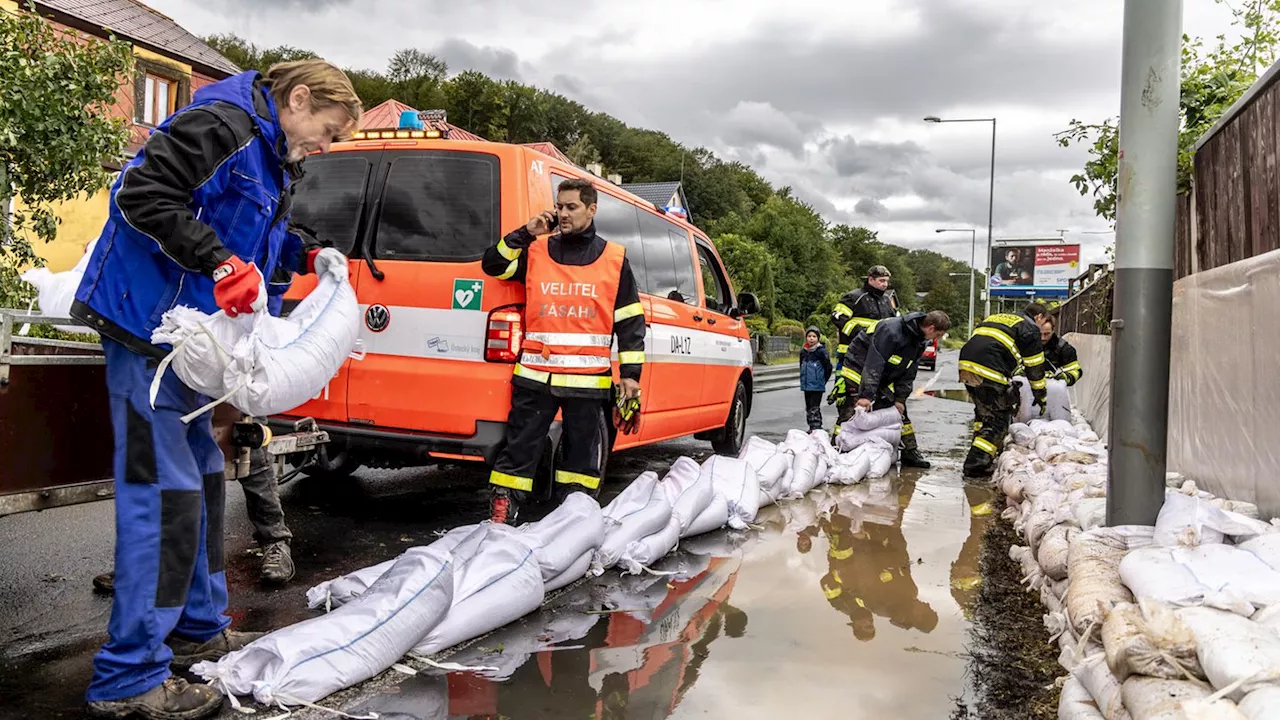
(174, 699)
(913, 459)
(105, 584)
(277, 564)
(979, 471)
(504, 506)
(188, 652)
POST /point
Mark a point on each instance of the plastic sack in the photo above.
(1022, 434)
(873, 419)
(1228, 569)
(774, 476)
(1052, 551)
(756, 451)
(1262, 704)
(1103, 687)
(1232, 649)
(714, 517)
(496, 580)
(575, 572)
(804, 473)
(1159, 574)
(1090, 513)
(315, 658)
(1266, 548)
(688, 492)
(1076, 703)
(1149, 639)
(851, 438)
(1093, 564)
(1158, 699)
(852, 467)
(265, 365)
(882, 456)
(1189, 521)
(642, 553)
(560, 538)
(55, 292)
(639, 511)
(1057, 400)
(736, 481)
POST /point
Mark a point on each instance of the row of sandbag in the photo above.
(477, 578)
(1135, 608)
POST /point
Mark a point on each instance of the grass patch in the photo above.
(1012, 664)
(789, 360)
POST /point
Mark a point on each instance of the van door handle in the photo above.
(697, 318)
(711, 321)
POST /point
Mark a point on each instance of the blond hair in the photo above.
(329, 86)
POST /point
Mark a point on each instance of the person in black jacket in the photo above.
(860, 309)
(1001, 346)
(815, 371)
(1061, 360)
(881, 366)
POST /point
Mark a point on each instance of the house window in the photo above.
(158, 100)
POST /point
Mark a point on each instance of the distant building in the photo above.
(667, 196)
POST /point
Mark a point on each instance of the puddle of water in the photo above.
(850, 602)
(950, 394)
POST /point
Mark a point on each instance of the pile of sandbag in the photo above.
(56, 291)
(478, 578)
(1057, 404)
(1176, 620)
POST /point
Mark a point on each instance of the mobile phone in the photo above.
(554, 222)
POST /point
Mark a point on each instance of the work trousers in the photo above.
(994, 406)
(846, 408)
(262, 500)
(532, 412)
(813, 409)
(169, 511)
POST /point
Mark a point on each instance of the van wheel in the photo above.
(335, 465)
(553, 458)
(734, 433)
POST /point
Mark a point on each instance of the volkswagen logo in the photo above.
(377, 318)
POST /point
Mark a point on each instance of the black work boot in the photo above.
(188, 652)
(105, 584)
(912, 458)
(979, 467)
(504, 506)
(561, 492)
(277, 563)
(174, 699)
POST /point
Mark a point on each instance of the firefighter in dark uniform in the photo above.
(1000, 346)
(858, 310)
(881, 366)
(1061, 360)
(580, 292)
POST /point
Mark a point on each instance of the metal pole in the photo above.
(991, 204)
(973, 249)
(1140, 325)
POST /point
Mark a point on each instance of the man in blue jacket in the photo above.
(200, 217)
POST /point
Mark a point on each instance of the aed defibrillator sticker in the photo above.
(467, 294)
(377, 318)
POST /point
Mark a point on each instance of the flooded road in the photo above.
(848, 603)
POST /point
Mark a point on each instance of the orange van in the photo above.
(415, 214)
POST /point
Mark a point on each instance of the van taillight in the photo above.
(504, 334)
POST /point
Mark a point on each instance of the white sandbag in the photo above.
(1240, 507)
(851, 467)
(1052, 551)
(882, 456)
(55, 292)
(1190, 521)
(1158, 699)
(804, 474)
(1055, 428)
(688, 492)
(756, 451)
(1022, 434)
(820, 473)
(1093, 563)
(851, 438)
(312, 659)
(1076, 703)
(1090, 512)
(1232, 649)
(1057, 400)
(872, 419)
(736, 481)
(1262, 704)
(1149, 639)
(644, 552)
(566, 533)
(496, 581)
(797, 441)
(265, 365)
(1266, 548)
(1103, 687)
(822, 440)
(1228, 569)
(640, 510)
(714, 517)
(1027, 410)
(575, 572)
(1158, 573)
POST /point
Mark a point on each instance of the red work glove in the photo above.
(311, 259)
(237, 287)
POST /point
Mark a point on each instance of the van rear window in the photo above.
(330, 197)
(439, 205)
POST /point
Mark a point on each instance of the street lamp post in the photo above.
(973, 244)
(991, 196)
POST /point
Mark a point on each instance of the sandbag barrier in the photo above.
(1179, 620)
(478, 578)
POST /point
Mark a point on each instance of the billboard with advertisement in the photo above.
(1024, 268)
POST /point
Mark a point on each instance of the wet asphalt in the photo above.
(848, 603)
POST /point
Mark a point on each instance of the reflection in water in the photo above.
(966, 580)
(870, 569)
(635, 647)
(962, 395)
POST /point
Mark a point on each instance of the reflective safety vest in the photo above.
(569, 314)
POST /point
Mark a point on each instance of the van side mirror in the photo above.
(748, 304)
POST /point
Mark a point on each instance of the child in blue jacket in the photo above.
(815, 371)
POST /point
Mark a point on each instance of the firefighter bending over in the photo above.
(1061, 360)
(579, 292)
(1000, 345)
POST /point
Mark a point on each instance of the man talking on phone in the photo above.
(579, 294)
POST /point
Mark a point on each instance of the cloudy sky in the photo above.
(825, 96)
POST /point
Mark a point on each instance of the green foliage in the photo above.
(806, 263)
(1212, 80)
(757, 325)
(246, 55)
(56, 131)
(751, 267)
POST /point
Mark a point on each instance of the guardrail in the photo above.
(776, 377)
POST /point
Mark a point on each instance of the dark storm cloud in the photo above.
(870, 207)
(497, 63)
